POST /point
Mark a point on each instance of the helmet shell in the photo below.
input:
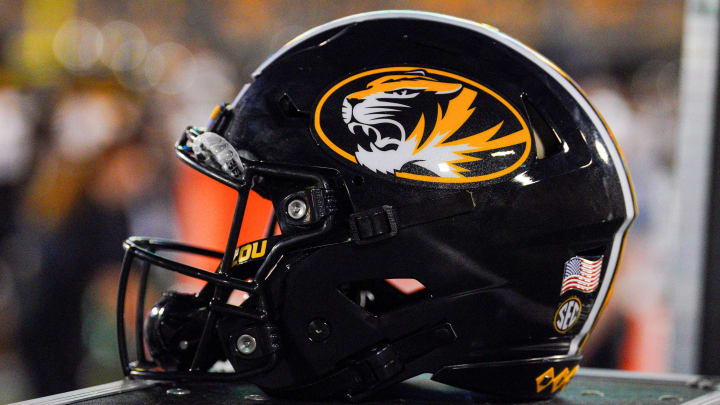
(557, 191)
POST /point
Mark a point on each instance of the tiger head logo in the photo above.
(409, 121)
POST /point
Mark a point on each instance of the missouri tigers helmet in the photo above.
(448, 200)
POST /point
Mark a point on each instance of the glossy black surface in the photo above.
(494, 273)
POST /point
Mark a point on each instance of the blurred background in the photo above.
(94, 93)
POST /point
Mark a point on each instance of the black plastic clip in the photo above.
(374, 224)
(379, 366)
(324, 202)
(220, 119)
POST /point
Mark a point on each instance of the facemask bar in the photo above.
(221, 283)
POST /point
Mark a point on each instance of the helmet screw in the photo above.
(246, 344)
(318, 330)
(297, 209)
(183, 344)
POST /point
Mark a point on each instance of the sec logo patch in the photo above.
(422, 124)
(567, 315)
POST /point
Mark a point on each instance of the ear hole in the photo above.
(380, 296)
(547, 142)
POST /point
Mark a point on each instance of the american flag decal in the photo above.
(581, 274)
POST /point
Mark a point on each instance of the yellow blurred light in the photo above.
(32, 48)
(78, 44)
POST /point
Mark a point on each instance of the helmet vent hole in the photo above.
(380, 296)
(289, 108)
(547, 142)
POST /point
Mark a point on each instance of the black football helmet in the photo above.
(395, 145)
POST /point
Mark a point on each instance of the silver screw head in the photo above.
(246, 344)
(297, 209)
(183, 345)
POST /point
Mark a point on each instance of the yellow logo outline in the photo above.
(523, 133)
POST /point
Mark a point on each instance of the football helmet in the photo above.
(394, 146)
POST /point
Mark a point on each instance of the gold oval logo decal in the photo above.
(422, 124)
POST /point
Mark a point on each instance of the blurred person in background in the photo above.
(16, 150)
(77, 205)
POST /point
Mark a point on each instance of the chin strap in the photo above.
(384, 222)
(375, 368)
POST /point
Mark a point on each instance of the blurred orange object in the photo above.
(205, 210)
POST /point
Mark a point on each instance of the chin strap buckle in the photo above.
(374, 224)
(381, 364)
(376, 368)
(383, 222)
